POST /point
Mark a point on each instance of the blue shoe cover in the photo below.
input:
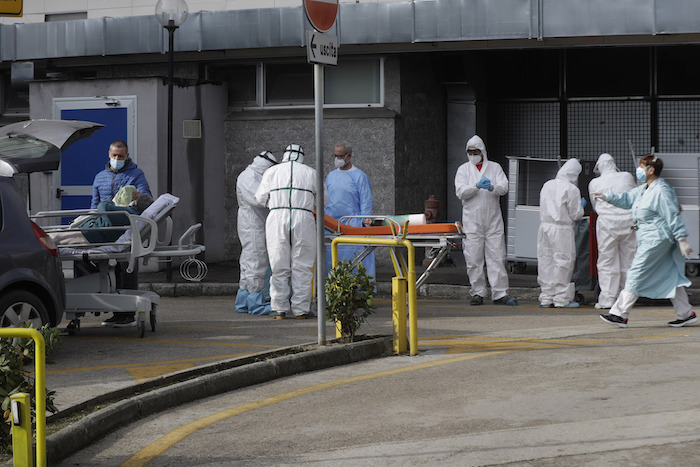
(257, 305)
(241, 301)
(512, 302)
(570, 305)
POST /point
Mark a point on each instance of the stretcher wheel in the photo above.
(518, 267)
(691, 269)
(153, 319)
(578, 297)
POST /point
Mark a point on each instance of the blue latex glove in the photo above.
(484, 184)
(583, 203)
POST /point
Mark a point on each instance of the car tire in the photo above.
(20, 307)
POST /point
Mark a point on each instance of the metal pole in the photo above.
(171, 42)
(320, 246)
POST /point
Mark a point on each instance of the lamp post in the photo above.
(171, 14)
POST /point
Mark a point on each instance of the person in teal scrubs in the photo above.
(658, 268)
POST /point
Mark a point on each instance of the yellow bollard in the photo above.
(22, 449)
(398, 315)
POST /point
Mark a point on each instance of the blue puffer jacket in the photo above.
(108, 182)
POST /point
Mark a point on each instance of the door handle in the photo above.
(58, 193)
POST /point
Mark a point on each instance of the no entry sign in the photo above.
(321, 13)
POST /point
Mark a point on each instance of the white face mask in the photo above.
(476, 160)
(340, 162)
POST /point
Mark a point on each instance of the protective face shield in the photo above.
(293, 152)
(605, 164)
(641, 174)
(570, 171)
(116, 164)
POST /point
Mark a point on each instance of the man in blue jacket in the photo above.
(120, 171)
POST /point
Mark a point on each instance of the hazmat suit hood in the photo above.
(605, 164)
(570, 171)
(293, 152)
(476, 142)
(263, 161)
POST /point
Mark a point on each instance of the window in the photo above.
(353, 83)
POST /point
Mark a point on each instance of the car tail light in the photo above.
(45, 240)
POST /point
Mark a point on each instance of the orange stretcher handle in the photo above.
(336, 226)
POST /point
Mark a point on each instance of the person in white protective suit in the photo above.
(614, 234)
(288, 189)
(658, 268)
(479, 184)
(251, 224)
(348, 193)
(561, 206)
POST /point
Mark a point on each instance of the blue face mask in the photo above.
(641, 174)
(116, 163)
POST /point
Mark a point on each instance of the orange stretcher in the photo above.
(438, 239)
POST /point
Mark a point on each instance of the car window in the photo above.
(29, 154)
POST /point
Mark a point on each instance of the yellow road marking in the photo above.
(161, 341)
(140, 364)
(147, 372)
(153, 450)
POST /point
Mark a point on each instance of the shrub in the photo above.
(15, 355)
(349, 297)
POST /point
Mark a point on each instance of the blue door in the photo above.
(84, 159)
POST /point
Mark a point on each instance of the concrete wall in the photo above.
(197, 163)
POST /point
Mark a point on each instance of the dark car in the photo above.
(32, 288)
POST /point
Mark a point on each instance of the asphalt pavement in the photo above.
(202, 350)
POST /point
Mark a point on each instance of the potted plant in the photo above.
(349, 295)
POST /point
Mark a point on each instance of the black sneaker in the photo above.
(111, 321)
(506, 300)
(477, 300)
(125, 320)
(308, 315)
(679, 323)
(614, 319)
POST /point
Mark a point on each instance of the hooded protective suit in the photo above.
(288, 190)
(616, 239)
(560, 208)
(251, 224)
(349, 194)
(483, 223)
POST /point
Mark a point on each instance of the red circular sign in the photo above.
(321, 13)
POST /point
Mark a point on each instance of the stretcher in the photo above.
(95, 291)
(439, 238)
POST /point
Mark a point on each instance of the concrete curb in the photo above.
(205, 381)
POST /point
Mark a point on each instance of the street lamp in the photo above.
(171, 14)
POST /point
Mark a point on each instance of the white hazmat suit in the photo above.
(483, 223)
(616, 239)
(251, 223)
(560, 208)
(288, 189)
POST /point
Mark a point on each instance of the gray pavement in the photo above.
(201, 347)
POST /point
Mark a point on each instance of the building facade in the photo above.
(415, 79)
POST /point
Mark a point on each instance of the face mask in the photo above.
(641, 174)
(339, 162)
(116, 163)
(475, 159)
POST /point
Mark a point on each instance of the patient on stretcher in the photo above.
(92, 229)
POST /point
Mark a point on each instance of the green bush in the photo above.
(15, 355)
(349, 297)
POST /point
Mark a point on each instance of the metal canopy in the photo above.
(377, 23)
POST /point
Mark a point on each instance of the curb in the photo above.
(205, 381)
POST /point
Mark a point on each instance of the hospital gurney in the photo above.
(440, 237)
(96, 291)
